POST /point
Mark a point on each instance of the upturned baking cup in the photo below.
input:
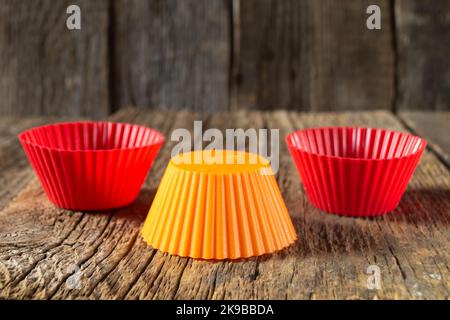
(218, 211)
(91, 165)
(355, 171)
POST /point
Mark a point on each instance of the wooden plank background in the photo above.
(218, 55)
(47, 69)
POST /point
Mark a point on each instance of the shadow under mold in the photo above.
(424, 207)
(138, 210)
(320, 233)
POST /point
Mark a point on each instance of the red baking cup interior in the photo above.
(355, 171)
(91, 165)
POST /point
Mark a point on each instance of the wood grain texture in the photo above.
(15, 173)
(43, 250)
(433, 126)
(45, 69)
(222, 55)
(171, 54)
(313, 55)
(423, 32)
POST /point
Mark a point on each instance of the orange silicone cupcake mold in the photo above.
(218, 210)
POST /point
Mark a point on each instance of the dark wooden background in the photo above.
(215, 55)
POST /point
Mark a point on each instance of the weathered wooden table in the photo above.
(46, 252)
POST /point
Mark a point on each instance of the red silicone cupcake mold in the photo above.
(91, 165)
(355, 171)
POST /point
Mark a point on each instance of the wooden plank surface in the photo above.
(423, 37)
(433, 126)
(15, 172)
(312, 55)
(43, 250)
(45, 69)
(173, 54)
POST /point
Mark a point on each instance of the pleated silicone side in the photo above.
(370, 181)
(218, 216)
(83, 179)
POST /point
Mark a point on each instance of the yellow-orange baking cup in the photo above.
(219, 210)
